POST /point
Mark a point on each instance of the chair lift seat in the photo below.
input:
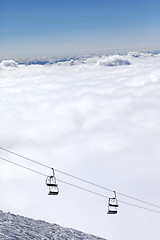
(51, 184)
(112, 212)
(113, 204)
(53, 193)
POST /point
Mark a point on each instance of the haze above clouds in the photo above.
(97, 119)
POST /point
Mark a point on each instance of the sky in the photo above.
(59, 28)
(98, 120)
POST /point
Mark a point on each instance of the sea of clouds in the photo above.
(97, 118)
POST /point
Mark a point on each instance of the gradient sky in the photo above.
(37, 28)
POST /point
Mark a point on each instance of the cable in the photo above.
(29, 159)
(22, 166)
(101, 195)
(96, 185)
(80, 179)
(84, 189)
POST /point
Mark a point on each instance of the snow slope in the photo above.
(16, 227)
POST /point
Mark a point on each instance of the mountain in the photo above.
(15, 227)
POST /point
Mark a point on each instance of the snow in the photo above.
(92, 119)
(17, 227)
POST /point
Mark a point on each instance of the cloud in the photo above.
(99, 123)
(115, 62)
(8, 63)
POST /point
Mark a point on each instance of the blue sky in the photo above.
(37, 28)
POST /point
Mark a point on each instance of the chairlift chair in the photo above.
(112, 211)
(53, 186)
(112, 205)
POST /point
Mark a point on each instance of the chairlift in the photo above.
(112, 205)
(51, 183)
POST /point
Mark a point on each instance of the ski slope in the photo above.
(18, 227)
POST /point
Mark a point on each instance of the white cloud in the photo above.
(114, 61)
(99, 123)
(8, 63)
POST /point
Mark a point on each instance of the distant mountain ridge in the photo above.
(106, 60)
(15, 227)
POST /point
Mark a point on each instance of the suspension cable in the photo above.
(19, 165)
(81, 188)
(80, 179)
(101, 195)
(29, 159)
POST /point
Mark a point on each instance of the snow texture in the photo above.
(14, 227)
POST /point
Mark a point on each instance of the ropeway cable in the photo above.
(81, 188)
(19, 165)
(29, 159)
(80, 179)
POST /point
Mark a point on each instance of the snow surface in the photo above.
(92, 119)
(17, 228)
